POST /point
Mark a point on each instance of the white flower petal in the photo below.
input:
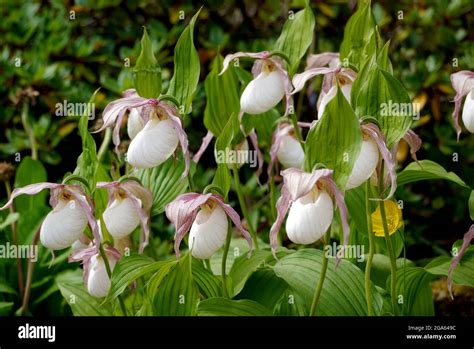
(135, 122)
(309, 218)
(365, 164)
(290, 153)
(208, 232)
(262, 93)
(63, 225)
(468, 112)
(98, 282)
(153, 145)
(346, 91)
(121, 218)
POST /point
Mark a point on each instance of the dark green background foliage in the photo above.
(65, 58)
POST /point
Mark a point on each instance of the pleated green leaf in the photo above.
(244, 266)
(209, 285)
(81, 303)
(227, 307)
(343, 293)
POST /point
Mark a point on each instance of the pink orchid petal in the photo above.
(235, 218)
(229, 58)
(414, 142)
(374, 133)
(116, 131)
(463, 83)
(172, 113)
(254, 140)
(299, 80)
(322, 60)
(277, 137)
(31, 189)
(181, 212)
(143, 194)
(205, 143)
(87, 207)
(131, 92)
(339, 198)
(113, 109)
(287, 83)
(282, 206)
(465, 244)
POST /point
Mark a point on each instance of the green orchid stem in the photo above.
(109, 273)
(322, 277)
(243, 206)
(207, 263)
(368, 266)
(21, 285)
(225, 292)
(29, 277)
(388, 242)
(29, 129)
(294, 121)
(105, 144)
(190, 181)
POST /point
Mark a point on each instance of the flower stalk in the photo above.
(368, 266)
(109, 274)
(322, 277)
(225, 291)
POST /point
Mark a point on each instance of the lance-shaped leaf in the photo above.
(87, 162)
(296, 36)
(384, 97)
(186, 68)
(359, 35)
(222, 97)
(147, 70)
(335, 141)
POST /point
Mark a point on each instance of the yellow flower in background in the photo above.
(394, 218)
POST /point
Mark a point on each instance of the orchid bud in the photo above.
(468, 112)
(208, 232)
(98, 281)
(154, 144)
(264, 92)
(309, 217)
(135, 122)
(364, 165)
(290, 153)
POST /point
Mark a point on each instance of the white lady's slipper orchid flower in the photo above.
(269, 85)
(71, 213)
(468, 112)
(463, 84)
(365, 164)
(129, 205)
(308, 198)
(334, 75)
(96, 278)
(309, 217)
(286, 147)
(208, 232)
(160, 135)
(206, 216)
(135, 122)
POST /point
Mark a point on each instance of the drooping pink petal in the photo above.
(182, 211)
(324, 59)
(374, 133)
(84, 256)
(172, 113)
(235, 218)
(414, 142)
(134, 188)
(339, 198)
(30, 189)
(87, 207)
(256, 55)
(282, 206)
(300, 79)
(113, 109)
(131, 92)
(463, 83)
(116, 131)
(254, 140)
(277, 137)
(465, 244)
(205, 143)
(287, 83)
